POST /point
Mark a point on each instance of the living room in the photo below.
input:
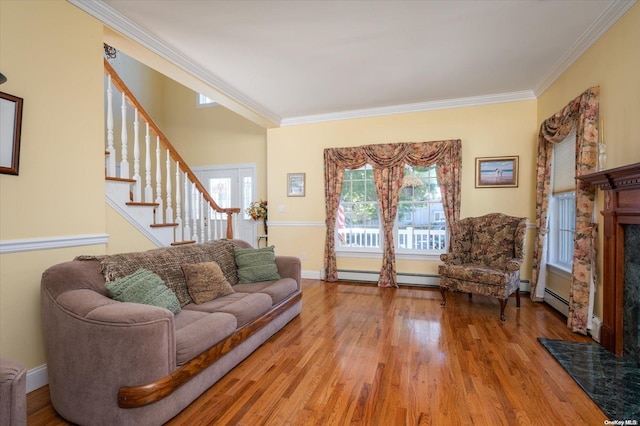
(55, 209)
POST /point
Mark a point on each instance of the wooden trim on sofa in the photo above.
(141, 395)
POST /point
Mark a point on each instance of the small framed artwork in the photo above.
(295, 184)
(497, 172)
(10, 127)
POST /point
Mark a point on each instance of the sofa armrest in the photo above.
(290, 267)
(452, 258)
(95, 345)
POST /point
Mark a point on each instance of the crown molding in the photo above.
(605, 21)
(128, 28)
(416, 107)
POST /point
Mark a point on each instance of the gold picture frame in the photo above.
(497, 172)
(295, 184)
(10, 129)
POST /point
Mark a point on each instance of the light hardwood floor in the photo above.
(358, 354)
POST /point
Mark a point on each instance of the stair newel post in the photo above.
(148, 191)
(111, 158)
(179, 236)
(169, 211)
(231, 224)
(158, 216)
(187, 210)
(137, 187)
(124, 162)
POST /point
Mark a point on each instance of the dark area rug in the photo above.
(611, 381)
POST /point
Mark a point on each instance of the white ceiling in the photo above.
(298, 61)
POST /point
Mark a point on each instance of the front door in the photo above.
(232, 186)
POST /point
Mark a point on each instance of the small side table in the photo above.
(265, 238)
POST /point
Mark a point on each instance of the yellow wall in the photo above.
(212, 135)
(51, 53)
(485, 131)
(613, 63)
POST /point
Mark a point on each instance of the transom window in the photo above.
(419, 226)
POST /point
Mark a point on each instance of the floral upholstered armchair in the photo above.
(485, 258)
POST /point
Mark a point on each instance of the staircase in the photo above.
(172, 208)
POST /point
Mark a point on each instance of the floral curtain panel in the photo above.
(388, 162)
(583, 113)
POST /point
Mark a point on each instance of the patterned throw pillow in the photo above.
(205, 281)
(256, 264)
(143, 286)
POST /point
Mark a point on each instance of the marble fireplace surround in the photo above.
(621, 188)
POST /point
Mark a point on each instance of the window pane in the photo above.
(358, 223)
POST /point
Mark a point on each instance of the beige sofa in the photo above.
(112, 362)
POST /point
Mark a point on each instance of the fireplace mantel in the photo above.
(621, 188)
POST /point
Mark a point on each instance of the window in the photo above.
(562, 205)
(420, 226)
(203, 100)
(562, 227)
(358, 223)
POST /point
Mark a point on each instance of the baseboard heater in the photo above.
(556, 302)
(417, 280)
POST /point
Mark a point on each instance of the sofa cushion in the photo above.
(244, 306)
(205, 281)
(198, 331)
(144, 287)
(167, 261)
(256, 264)
(278, 290)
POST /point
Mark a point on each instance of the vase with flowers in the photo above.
(258, 210)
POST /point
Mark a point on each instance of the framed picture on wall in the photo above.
(295, 184)
(10, 127)
(497, 172)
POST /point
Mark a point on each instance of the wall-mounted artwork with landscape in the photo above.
(496, 172)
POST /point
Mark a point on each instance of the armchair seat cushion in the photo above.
(476, 273)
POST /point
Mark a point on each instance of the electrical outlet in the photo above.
(303, 255)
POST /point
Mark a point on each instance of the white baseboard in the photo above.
(37, 378)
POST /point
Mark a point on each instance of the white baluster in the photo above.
(210, 221)
(203, 219)
(124, 162)
(111, 158)
(194, 222)
(169, 212)
(187, 210)
(179, 235)
(148, 191)
(158, 217)
(137, 187)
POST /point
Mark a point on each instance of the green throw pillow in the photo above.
(143, 286)
(256, 264)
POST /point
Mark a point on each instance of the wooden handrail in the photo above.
(122, 87)
(141, 395)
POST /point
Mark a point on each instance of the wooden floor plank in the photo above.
(358, 354)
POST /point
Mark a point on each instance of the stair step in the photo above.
(133, 203)
(117, 179)
(163, 225)
(181, 243)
